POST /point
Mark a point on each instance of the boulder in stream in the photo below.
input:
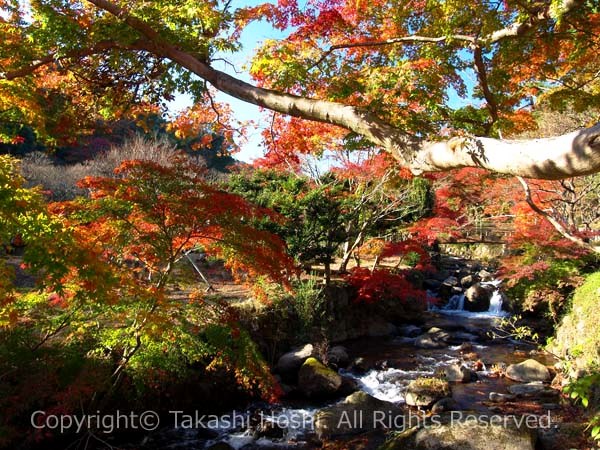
(534, 389)
(409, 330)
(315, 380)
(444, 405)
(289, 364)
(459, 374)
(358, 413)
(529, 370)
(433, 338)
(478, 298)
(424, 392)
(338, 357)
(498, 397)
(467, 434)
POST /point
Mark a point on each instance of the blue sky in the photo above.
(252, 37)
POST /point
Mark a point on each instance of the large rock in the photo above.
(444, 405)
(358, 413)
(529, 370)
(459, 374)
(534, 389)
(468, 280)
(467, 434)
(424, 392)
(289, 364)
(315, 380)
(337, 356)
(477, 298)
(433, 338)
(409, 330)
(498, 397)
(484, 275)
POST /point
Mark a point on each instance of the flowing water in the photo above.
(393, 363)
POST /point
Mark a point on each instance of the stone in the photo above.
(270, 430)
(289, 363)
(424, 392)
(315, 380)
(410, 331)
(497, 397)
(528, 370)
(337, 356)
(433, 338)
(465, 347)
(443, 405)
(477, 298)
(550, 406)
(456, 290)
(534, 389)
(349, 386)
(459, 337)
(360, 365)
(467, 434)
(459, 374)
(484, 275)
(451, 281)
(358, 413)
(467, 281)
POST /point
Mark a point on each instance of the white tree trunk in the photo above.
(565, 156)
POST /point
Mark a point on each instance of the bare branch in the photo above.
(555, 223)
(399, 40)
(481, 70)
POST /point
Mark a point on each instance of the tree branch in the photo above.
(398, 40)
(555, 158)
(519, 28)
(555, 223)
(100, 47)
(481, 71)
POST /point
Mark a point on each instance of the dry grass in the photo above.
(59, 181)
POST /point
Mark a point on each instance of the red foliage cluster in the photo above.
(406, 247)
(381, 284)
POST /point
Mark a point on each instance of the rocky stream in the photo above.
(445, 383)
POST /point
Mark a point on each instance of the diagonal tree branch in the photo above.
(561, 157)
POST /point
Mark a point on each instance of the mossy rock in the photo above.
(315, 380)
(424, 392)
(578, 335)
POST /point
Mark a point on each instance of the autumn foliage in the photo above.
(382, 285)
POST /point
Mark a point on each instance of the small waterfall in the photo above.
(456, 303)
(431, 300)
(495, 303)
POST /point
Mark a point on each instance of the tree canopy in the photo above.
(372, 73)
